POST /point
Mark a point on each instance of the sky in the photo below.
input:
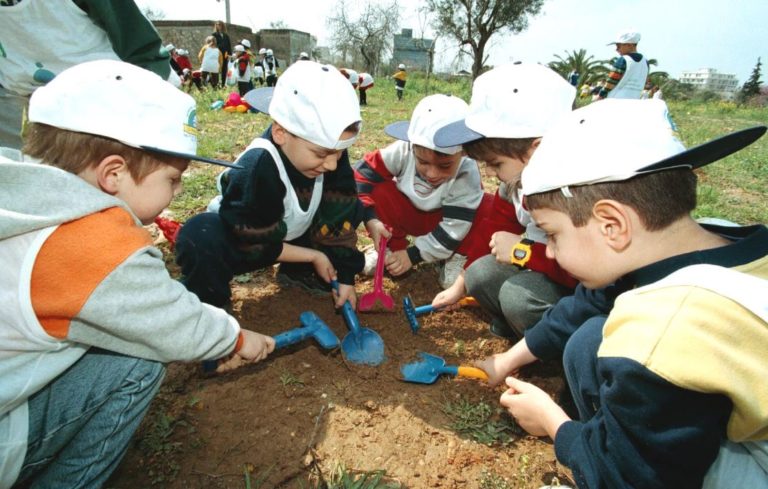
(683, 35)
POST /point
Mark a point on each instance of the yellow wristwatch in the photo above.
(521, 252)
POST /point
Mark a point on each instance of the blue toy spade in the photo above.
(311, 327)
(412, 312)
(361, 345)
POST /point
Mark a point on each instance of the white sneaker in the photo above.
(451, 269)
(371, 257)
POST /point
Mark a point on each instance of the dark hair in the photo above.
(485, 149)
(659, 198)
(77, 151)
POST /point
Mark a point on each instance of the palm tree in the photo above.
(589, 69)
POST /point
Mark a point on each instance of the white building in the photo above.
(724, 84)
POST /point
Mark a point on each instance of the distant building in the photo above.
(190, 34)
(415, 54)
(724, 84)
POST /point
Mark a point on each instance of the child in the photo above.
(270, 66)
(365, 83)
(258, 67)
(210, 62)
(417, 189)
(189, 76)
(294, 202)
(242, 65)
(670, 386)
(400, 77)
(89, 312)
(511, 108)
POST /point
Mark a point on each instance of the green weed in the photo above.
(481, 422)
(288, 379)
(491, 480)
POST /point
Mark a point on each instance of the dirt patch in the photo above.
(304, 412)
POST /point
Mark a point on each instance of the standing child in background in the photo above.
(417, 189)
(400, 77)
(294, 201)
(365, 83)
(666, 361)
(188, 75)
(512, 107)
(90, 314)
(224, 45)
(270, 65)
(258, 67)
(242, 66)
(210, 62)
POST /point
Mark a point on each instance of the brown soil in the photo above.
(293, 419)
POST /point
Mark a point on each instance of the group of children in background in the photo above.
(587, 253)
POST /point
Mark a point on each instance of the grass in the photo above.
(480, 422)
(732, 188)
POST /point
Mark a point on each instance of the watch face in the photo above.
(520, 254)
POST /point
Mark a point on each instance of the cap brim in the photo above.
(186, 156)
(709, 152)
(455, 134)
(260, 98)
(398, 130)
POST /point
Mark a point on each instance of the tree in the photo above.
(752, 86)
(590, 70)
(368, 35)
(472, 23)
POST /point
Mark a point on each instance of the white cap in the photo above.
(239, 48)
(311, 101)
(263, 51)
(169, 47)
(269, 52)
(246, 43)
(120, 101)
(626, 37)
(303, 55)
(511, 101)
(617, 139)
(401, 66)
(430, 114)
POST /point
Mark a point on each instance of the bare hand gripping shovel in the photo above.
(431, 366)
(311, 327)
(361, 345)
(368, 301)
(412, 312)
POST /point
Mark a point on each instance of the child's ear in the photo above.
(109, 173)
(278, 133)
(615, 223)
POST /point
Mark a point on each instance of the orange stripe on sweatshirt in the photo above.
(75, 259)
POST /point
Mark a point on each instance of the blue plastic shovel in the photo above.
(312, 327)
(361, 345)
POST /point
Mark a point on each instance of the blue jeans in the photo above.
(81, 423)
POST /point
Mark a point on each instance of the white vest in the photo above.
(633, 81)
(297, 221)
(41, 38)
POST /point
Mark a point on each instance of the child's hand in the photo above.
(501, 245)
(377, 229)
(448, 298)
(397, 262)
(255, 348)
(532, 408)
(501, 365)
(346, 293)
(323, 267)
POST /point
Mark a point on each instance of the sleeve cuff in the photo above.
(239, 343)
(565, 438)
(414, 255)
